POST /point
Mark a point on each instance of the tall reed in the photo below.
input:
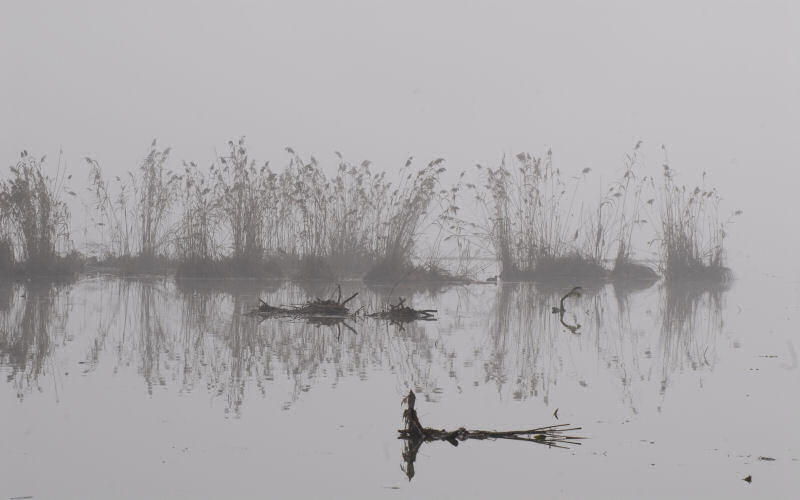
(529, 216)
(196, 244)
(407, 216)
(133, 214)
(609, 231)
(691, 231)
(35, 219)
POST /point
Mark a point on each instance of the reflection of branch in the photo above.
(331, 322)
(573, 328)
(576, 291)
(399, 314)
(410, 449)
(415, 434)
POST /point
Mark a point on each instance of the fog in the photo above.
(127, 384)
(718, 83)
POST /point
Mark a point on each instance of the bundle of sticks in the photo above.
(401, 313)
(312, 308)
(551, 435)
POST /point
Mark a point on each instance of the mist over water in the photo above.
(717, 83)
(573, 213)
(175, 377)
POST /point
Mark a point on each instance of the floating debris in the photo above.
(313, 308)
(553, 436)
(401, 313)
(266, 309)
(318, 312)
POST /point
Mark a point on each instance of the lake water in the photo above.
(148, 388)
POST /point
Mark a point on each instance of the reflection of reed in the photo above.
(30, 321)
(198, 336)
(202, 335)
(691, 320)
(522, 338)
(412, 354)
(152, 339)
(7, 292)
(529, 347)
(127, 319)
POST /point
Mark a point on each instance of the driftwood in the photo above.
(317, 312)
(266, 309)
(334, 312)
(414, 434)
(401, 313)
(312, 308)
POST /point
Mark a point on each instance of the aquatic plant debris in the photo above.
(319, 312)
(553, 436)
(316, 308)
(401, 313)
(332, 311)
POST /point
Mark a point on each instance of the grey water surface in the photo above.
(148, 388)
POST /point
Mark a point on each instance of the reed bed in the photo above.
(239, 217)
(529, 213)
(691, 232)
(35, 221)
(133, 215)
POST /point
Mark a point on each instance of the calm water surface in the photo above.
(147, 388)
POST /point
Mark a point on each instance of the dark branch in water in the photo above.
(313, 308)
(401, 313)
(415, 434)
(349, 298)
(572, 328)
(318, 312)
(576, 291)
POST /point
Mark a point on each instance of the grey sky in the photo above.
(717, 81)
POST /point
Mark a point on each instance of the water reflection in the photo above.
(414, 434)
(195, 335)
(691, 321)
(32, 322)
(530, 348)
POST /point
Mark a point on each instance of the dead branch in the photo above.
(400, 313)
(576, 291)
(555, 436)
(348, 299)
